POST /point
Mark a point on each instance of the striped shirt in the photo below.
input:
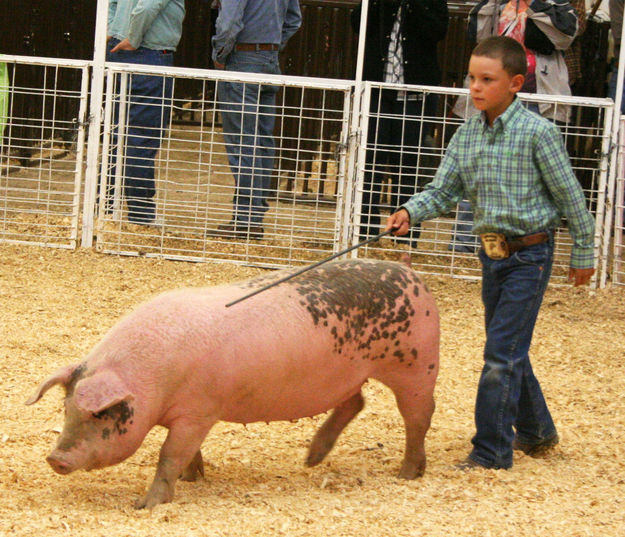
(517, 177)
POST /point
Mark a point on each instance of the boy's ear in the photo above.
(517, 83)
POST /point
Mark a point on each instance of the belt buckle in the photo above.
(495, 245)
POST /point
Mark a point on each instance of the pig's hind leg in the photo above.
(178, 457)
(327, 434)
(416, 405)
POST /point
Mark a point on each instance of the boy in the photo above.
(512, 166)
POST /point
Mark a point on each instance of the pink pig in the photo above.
(183, 360)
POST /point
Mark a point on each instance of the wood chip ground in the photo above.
(55, 305)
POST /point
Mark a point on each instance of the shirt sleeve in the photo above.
(142, 18)
(111, 13)
(568, 197)
(443, 193)
(292, 21)
(227, 27)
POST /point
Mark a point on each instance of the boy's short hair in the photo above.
(509, 51)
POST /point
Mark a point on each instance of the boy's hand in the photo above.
(399, 222)
(581, 276)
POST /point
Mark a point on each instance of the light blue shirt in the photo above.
(254, 21)
(153, 24)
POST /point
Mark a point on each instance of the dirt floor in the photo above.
(56, 304)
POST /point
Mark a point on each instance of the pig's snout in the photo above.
(59, 465)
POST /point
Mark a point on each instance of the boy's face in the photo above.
(492, 88)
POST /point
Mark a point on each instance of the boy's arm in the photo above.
(566, 192)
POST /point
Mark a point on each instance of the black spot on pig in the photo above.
(120, 414)
(363, 302)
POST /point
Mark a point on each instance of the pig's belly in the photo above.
(289, 401)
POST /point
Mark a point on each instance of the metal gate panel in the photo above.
(43, 143)
(194, 180)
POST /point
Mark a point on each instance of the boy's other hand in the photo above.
(399, 222)
(580, 276)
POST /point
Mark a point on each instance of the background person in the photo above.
(248, 36)
(144, 32)
(400, 48)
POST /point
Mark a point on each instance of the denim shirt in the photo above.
(254, 21)
(153, 24)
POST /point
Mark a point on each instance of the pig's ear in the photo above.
(61, 376)
(100, 391)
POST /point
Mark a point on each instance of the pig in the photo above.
(183, 360)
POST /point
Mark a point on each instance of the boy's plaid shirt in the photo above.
(517, 177)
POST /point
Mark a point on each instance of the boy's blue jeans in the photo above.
(248, 119)
(509, 396)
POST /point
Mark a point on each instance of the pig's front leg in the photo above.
(179, 452)
(194, 469)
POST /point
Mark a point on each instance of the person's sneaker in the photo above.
(535, 450)
(236, 230)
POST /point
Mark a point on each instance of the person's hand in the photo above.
(219, 65)
(123, 45)
(580, 276)
(399, 221)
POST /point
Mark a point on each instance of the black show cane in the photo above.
(310, 267)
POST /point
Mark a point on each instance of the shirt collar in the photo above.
(509, 117)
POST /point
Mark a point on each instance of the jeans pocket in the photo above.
(536, 255)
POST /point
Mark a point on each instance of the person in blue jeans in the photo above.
(143, 32)
(512, 167)
(248, 37)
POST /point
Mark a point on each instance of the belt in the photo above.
(518, 243)
(256, 46)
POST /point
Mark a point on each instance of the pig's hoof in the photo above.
(194, 469)
(319, 448)
(314, 459)
(317, 453)
(158, 493)
(148, 502)
(411, 471)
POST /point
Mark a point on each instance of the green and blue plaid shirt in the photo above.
(517, 177)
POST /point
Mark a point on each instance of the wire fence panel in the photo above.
(297, 171)
(405, 131)
(42, 139)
